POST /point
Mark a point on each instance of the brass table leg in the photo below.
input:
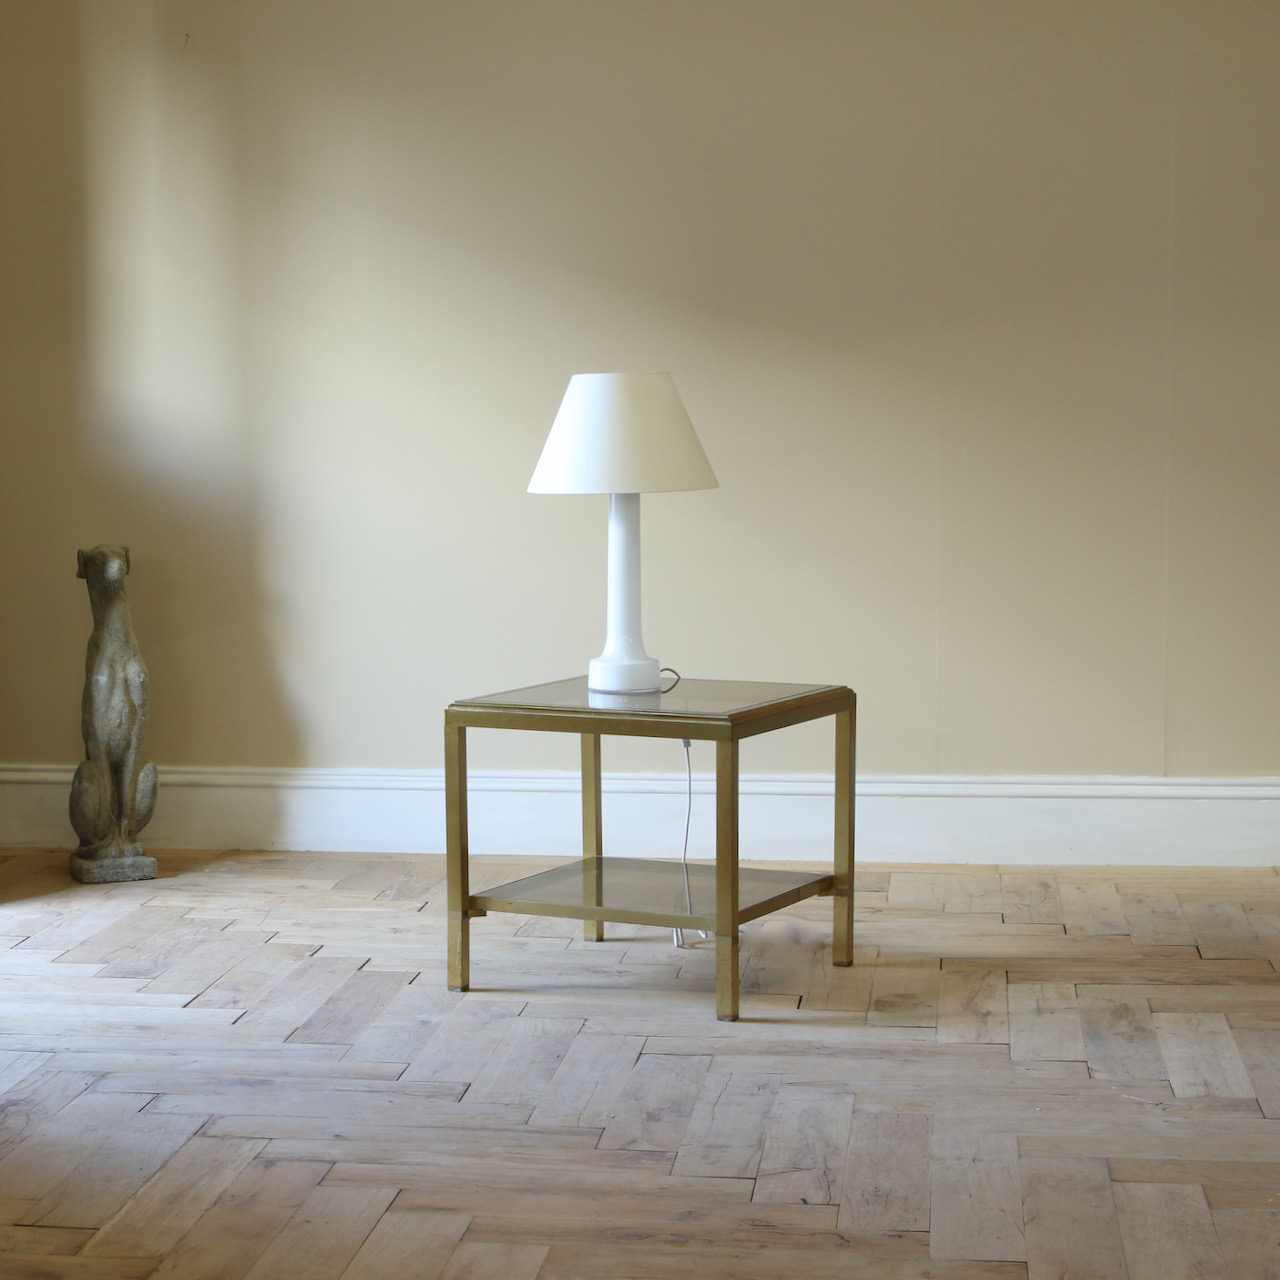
(727, 881)
(842, 895)
(592, 835)
(457, 870)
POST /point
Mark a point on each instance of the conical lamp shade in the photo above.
(622, 433)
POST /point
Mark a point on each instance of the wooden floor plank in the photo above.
(1260, 1053)
(638, 1262)
(1222, 930)
(462, 1043)
(229, 1238)
(1130, 1169)
(904, 993)
(759, 1226)
(17, 1065)
(435, 1115)
(287, 1005)
(1091, 907)
(352, 1007)
(248, 981)
(1030, 896)
(973, 1006)
(1120, 1035)
(726, 1132)
(114, 1170)
(587, 1081)
(777, 953)
(1069, 1219)
(53, 1149)
(161, 948)
(365, 1106)
(408, 1242)
(1176, 965)
(1151, 1137)
(45, 1267)
(35, 1098)
(846, 988)
(524, 1060)
(976, 1198)
(958, 890)
(592, 1189)
(1201, 1056)
(1044, 1022)
(170, 1069)
(1156, 918)
(1168, 1232)
(324, 1234)
(675, 1209)
(805, 1137)
(653, 1109)
(400, 1031)
(74, 916)
(885, 1186)
(1254, 1197)
(172, 1202)
(486, 1154)
(495, 1262)
(1250, 1242)
(35, 1241)
(1238, 997)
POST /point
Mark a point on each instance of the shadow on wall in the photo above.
(123, 410)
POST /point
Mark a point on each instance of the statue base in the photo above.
(113, 870)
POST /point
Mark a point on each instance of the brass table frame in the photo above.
(726, 730)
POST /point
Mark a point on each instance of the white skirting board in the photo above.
(1035, 820)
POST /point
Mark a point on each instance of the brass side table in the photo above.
(649, 890)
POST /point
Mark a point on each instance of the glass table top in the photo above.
(712, 699)
(655, 885)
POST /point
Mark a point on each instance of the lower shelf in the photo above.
(647, 891)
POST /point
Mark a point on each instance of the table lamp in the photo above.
(623, 434)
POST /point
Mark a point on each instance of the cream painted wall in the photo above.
(975, 305)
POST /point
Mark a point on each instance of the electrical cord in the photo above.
(677, 935)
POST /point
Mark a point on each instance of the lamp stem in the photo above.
(624, 667)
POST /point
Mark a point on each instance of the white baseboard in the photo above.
(1038, 820)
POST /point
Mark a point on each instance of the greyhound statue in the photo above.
(112, 795)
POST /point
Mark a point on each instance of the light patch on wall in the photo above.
(162, 397)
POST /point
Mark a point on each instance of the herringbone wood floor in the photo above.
(250, 1067)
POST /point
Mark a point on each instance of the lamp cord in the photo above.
(677, 935)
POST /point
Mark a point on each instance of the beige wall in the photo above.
(975, 306)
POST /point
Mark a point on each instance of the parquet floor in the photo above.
(250, 1068)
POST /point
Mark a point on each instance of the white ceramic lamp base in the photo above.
(623, 675)
(624, 667)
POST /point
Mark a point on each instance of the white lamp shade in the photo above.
(621, 433)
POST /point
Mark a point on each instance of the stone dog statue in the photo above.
(113, 795)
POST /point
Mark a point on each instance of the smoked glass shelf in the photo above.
(648, 891)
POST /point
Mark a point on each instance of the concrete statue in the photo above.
(113, 795)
